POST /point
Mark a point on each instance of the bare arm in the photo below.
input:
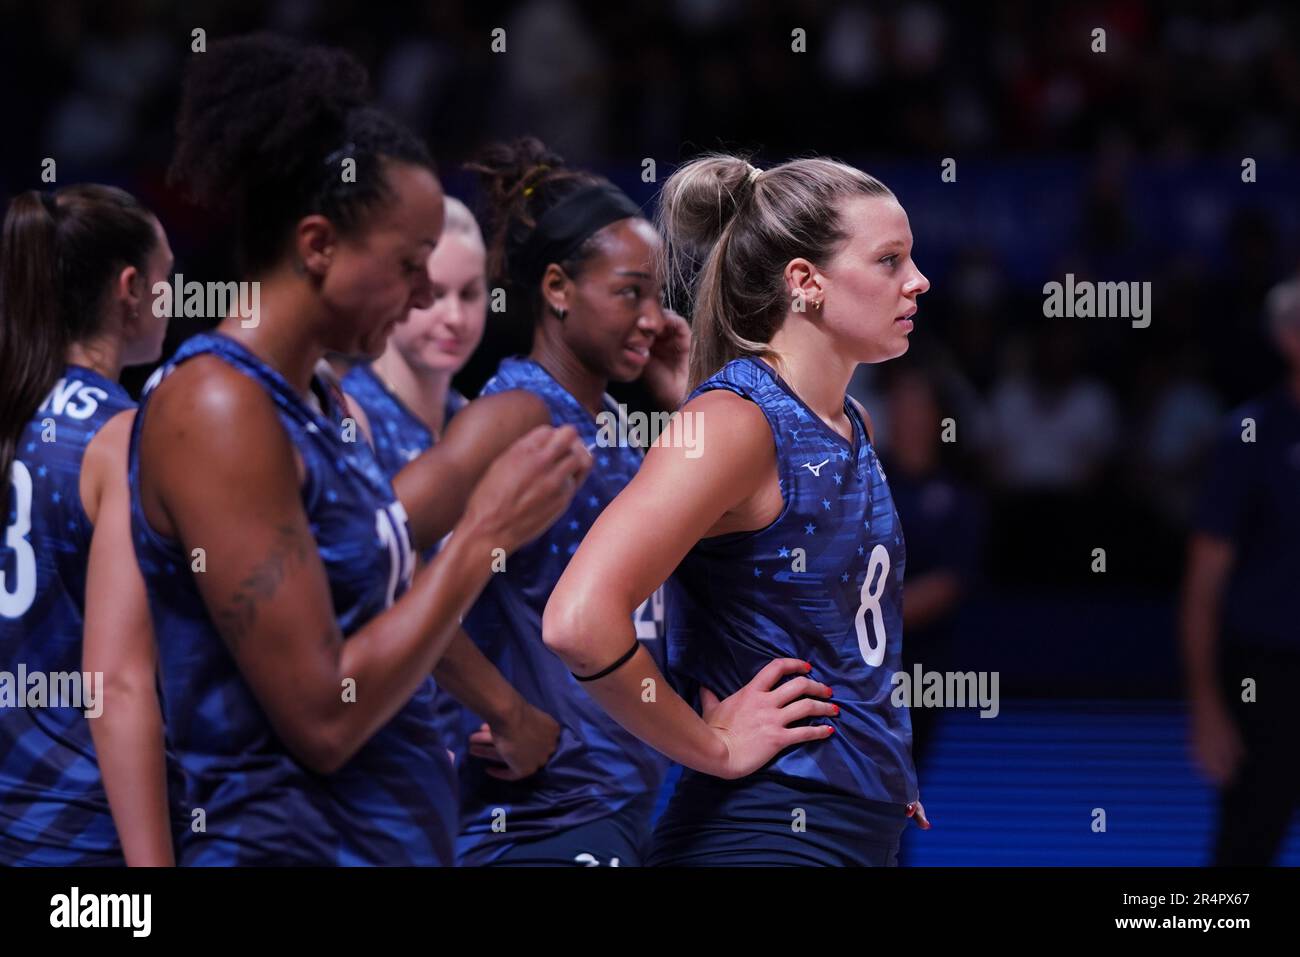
(515, 733)
(1209, 563)
(931, 597)
(118, 642)
(588, 621)
(435, 486)
(265, 586)
(1215, 738)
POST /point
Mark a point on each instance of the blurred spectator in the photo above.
(943, 523)
(1241, 606)
(1052, 427)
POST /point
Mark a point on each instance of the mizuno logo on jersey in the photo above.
(816, 469)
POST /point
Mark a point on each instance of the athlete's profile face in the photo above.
(378, 274)
(871, 284)
(616, 306)
(145, 342)
(442, 337)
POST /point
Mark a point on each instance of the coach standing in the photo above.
(1241, 611)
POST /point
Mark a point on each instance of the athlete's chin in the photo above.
(373, 345)
(628, 366)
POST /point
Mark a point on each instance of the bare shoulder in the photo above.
(721, 429)
(497, 419)
(105, 461)
(206, 390)
(213, 429)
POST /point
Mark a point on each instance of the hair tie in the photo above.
(540, 168)
(754, 172)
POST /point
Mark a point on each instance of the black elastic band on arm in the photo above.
(636, 644)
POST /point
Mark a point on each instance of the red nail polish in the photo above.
(830, 692)
(832, 727)
(837, 709)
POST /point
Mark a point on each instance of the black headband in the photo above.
(568, 224)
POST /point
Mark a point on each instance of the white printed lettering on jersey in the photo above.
(73, 399)
(18, 593)
(390, 525)
(816, 469)
(649, 617)
(590, 860)
(871, 639)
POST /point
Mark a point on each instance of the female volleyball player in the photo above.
(780, 538)
(295, 651)
(403, 400)
(76, 275)
(580, 263)
(406, 394)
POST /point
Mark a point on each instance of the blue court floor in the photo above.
(1020, 789)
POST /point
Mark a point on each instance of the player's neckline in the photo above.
(853, 445)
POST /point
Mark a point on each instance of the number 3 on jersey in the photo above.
(873, 653)
(18, 593)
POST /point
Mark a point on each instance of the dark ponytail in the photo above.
(57, 257)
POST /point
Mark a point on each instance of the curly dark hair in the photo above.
(522, 180)
(264, 126)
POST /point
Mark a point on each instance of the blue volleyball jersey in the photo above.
(53, 809)
(398, 433)
(394, 801)
(598, 768)
(823, 582)
(399, 436)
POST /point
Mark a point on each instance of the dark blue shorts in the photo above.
(772, 821)
(619, 840)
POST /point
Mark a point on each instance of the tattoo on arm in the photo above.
(236, 620)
